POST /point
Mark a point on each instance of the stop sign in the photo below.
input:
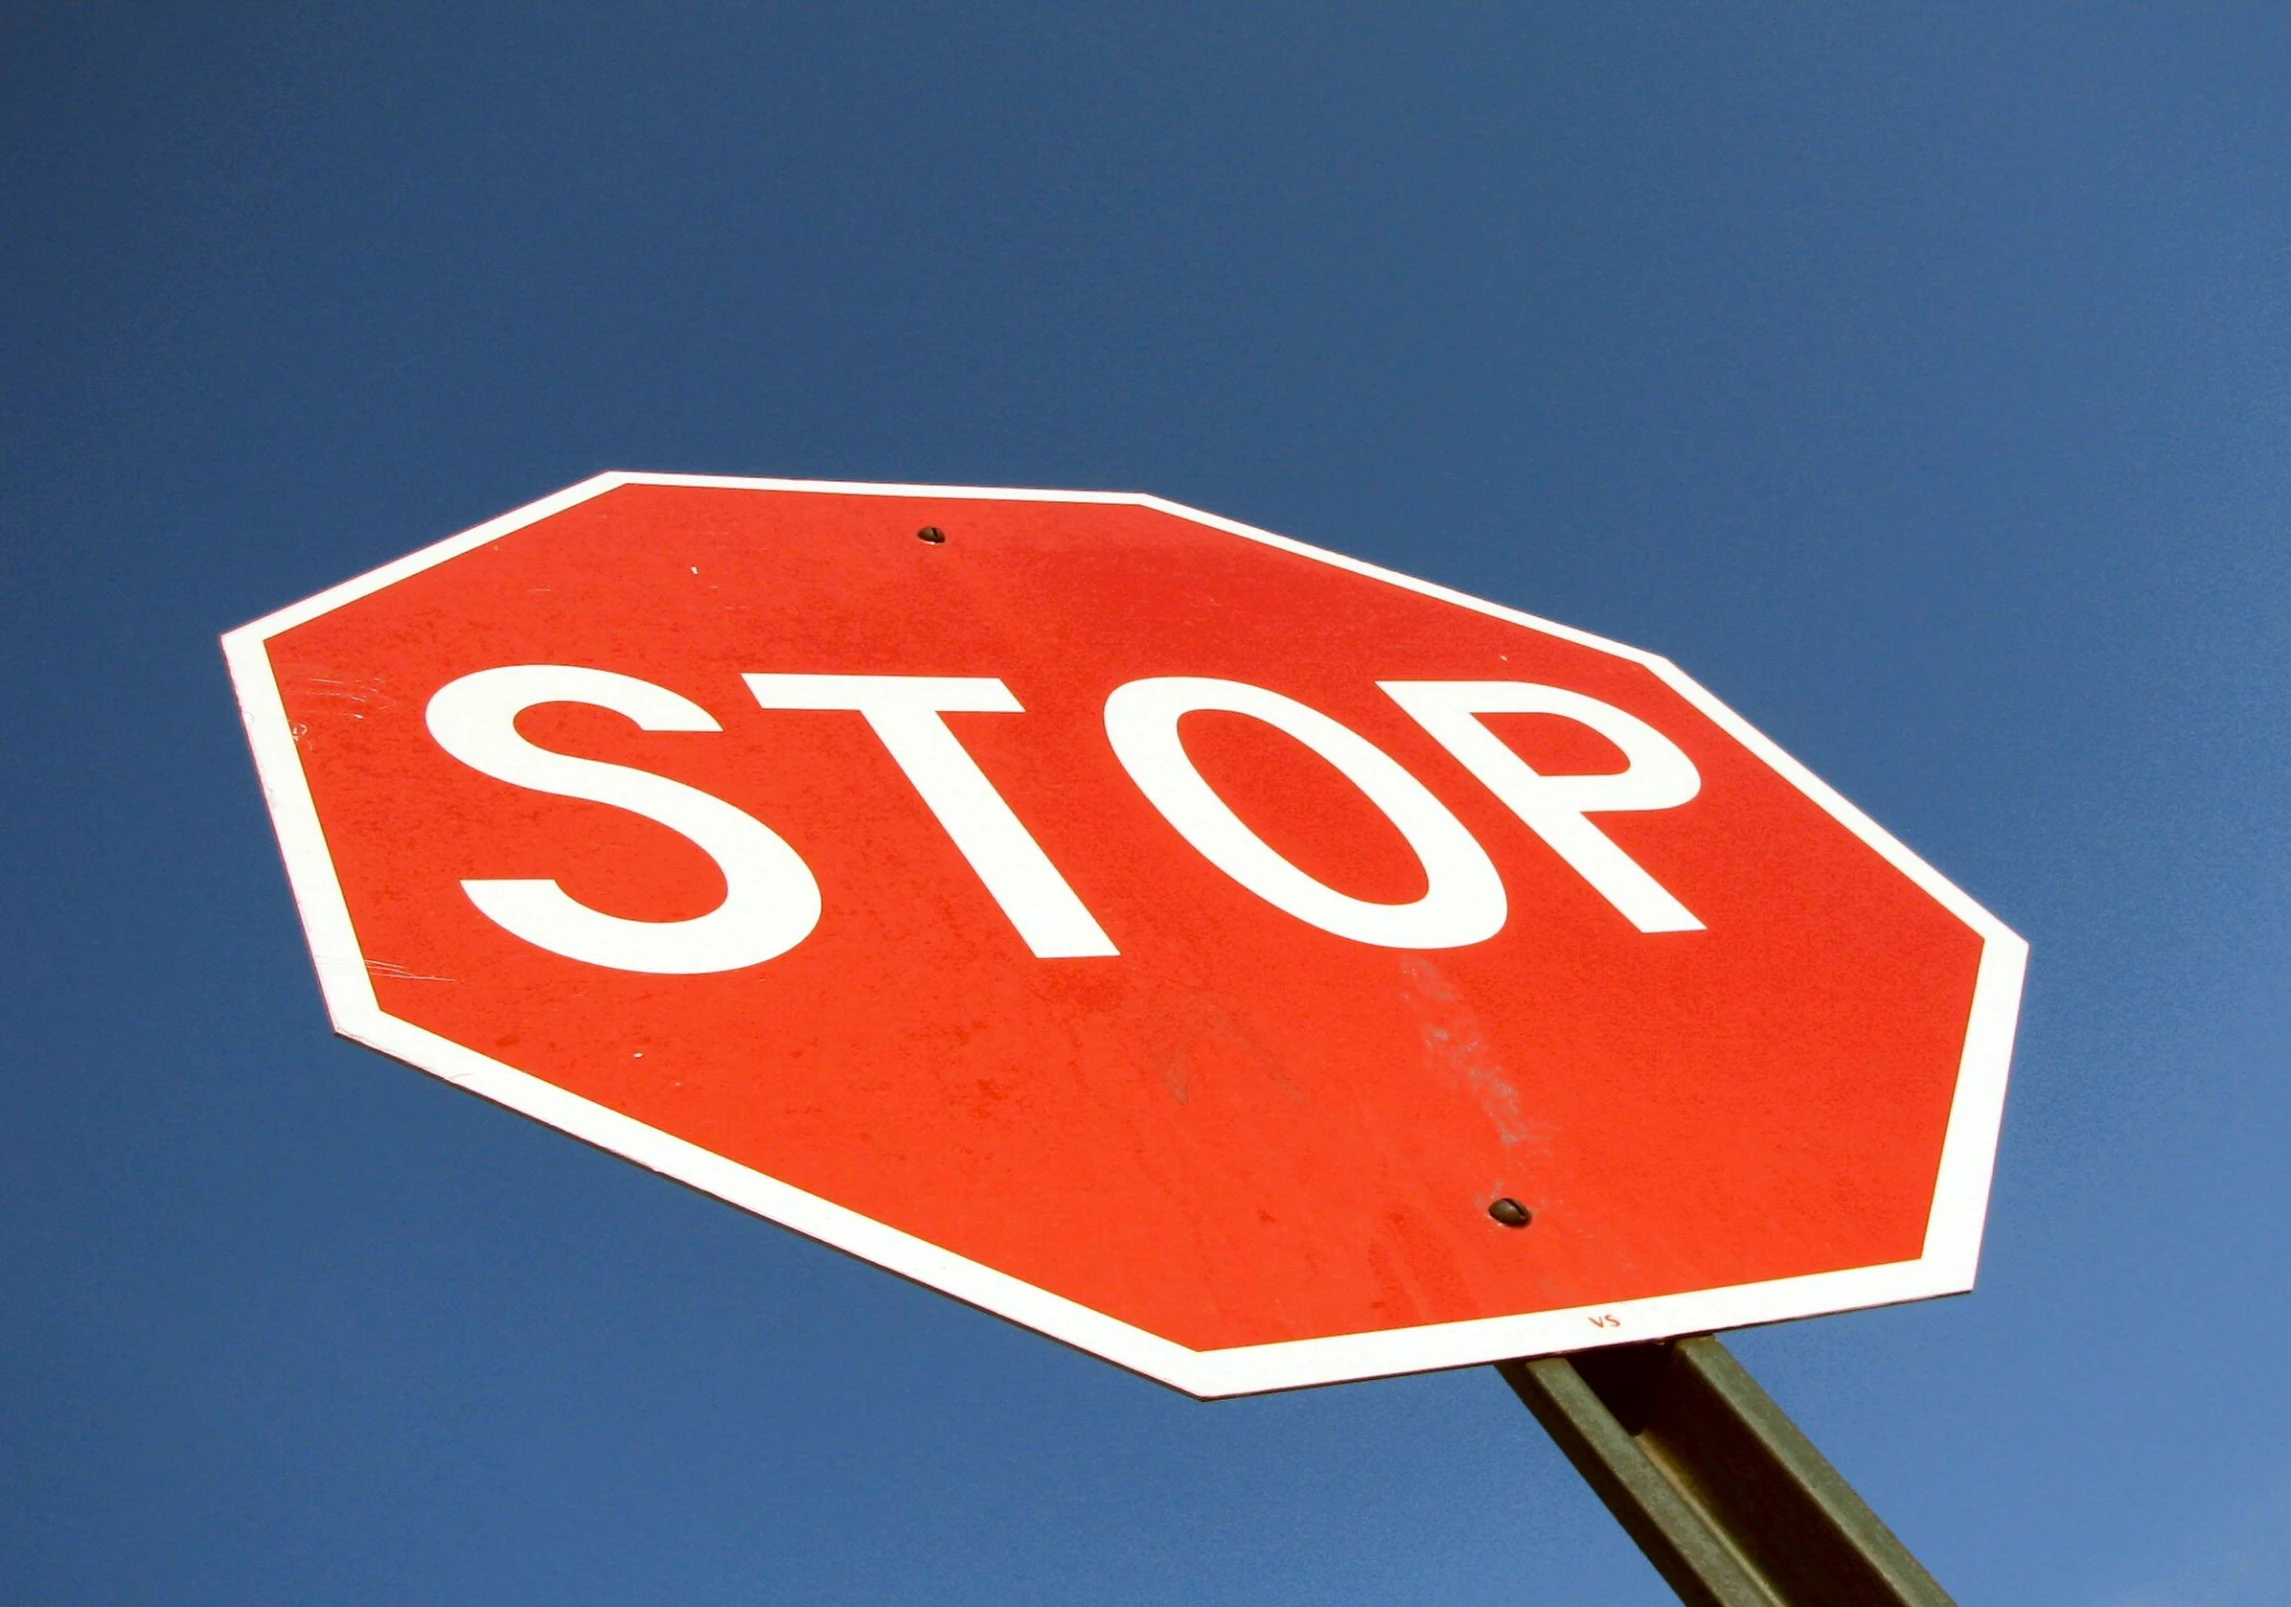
(1249, 965)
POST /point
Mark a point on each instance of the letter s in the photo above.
(771, 902)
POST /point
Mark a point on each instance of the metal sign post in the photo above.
(1730, 1502)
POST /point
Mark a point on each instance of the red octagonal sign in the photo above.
(1246, 964)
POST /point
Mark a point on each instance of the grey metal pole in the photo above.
(1730, 1502)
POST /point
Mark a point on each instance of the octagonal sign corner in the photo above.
(1246, 964)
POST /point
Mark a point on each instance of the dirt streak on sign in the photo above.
(1170, 936)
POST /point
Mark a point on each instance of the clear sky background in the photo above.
(1920, 380)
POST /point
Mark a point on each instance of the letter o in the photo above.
(1463, 902)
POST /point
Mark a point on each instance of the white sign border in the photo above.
(1953, 1229)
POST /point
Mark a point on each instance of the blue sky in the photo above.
(1920, 380)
